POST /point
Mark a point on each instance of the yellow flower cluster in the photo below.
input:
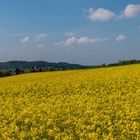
(99, 104)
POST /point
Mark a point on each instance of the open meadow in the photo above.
(72, 105)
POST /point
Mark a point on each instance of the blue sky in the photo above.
(75, 31)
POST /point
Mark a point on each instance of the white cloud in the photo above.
(131, 11)
(120, 38)
(74, 41)
(69, 34)
(25, 40)
(33, 39)
(40, 37)
(70, 41)
(100, 14)
(139, 27)
(40, 46)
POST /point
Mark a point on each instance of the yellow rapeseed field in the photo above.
(98, 104)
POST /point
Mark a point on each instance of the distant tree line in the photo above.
(119, 63)
(18, 70)
(124, 62)
(4, 73)
(34, 69)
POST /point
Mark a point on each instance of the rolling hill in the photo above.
(38, 64)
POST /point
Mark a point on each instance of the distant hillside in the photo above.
(12, 65)
(38, 64)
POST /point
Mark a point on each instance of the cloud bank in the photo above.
(35, 38)
(101, 14)
(84, 40)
